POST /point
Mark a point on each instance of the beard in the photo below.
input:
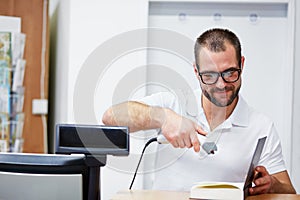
(210, 95)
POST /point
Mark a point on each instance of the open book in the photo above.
(217, 190)
(229, 190)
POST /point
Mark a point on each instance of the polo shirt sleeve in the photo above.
(272, 157)
(162, 99)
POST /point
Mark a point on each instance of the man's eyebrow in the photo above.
(210, 71)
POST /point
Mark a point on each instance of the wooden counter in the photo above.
(159, 195)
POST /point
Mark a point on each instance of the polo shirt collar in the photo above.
(239, 116)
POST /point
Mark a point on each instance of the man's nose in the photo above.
(220, 82)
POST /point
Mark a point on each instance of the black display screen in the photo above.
(92, 138)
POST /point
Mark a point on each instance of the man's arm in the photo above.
(179, 131)
(135, 115)
(275, 183)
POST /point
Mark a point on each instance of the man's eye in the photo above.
(209, 75)
(228, 73)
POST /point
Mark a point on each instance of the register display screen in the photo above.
(95, 139)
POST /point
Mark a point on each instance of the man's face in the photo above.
(221, 93)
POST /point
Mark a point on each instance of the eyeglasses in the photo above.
(230, 75)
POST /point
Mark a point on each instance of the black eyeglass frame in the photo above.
(222, 74)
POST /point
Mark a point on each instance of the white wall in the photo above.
(79, 32)
(296, 107)
(93, 38)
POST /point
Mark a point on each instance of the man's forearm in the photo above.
(281, 187)
(137, 116)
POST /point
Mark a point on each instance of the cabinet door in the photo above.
(34, 18)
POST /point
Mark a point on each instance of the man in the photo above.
(220, 114)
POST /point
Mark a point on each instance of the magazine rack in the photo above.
(12, 68)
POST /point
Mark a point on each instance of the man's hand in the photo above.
(263, 181)
(266, 183)
(180, 131)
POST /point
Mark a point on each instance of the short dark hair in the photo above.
(214, 40)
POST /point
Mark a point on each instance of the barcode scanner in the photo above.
(161, 139)
(208, 147)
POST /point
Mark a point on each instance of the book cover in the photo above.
(18, 47)
(18, 76)
(5, 105)
(4, 132)
(16, 130)
(12, 47)
(5, 73)
(5, 47)
(17, 101)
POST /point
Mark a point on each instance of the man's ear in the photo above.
(242, 62)
(196, 70)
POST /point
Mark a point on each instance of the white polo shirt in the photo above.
(236, 139)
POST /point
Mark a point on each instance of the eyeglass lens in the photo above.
(229, 76)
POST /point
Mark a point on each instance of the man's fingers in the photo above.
(181, 143)
(200, 130)
(262, 181)
(257, 174)
(261, 170)
(187, 142)
(258, 190)
(195, 142)
(194, 137)
(175, 144)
